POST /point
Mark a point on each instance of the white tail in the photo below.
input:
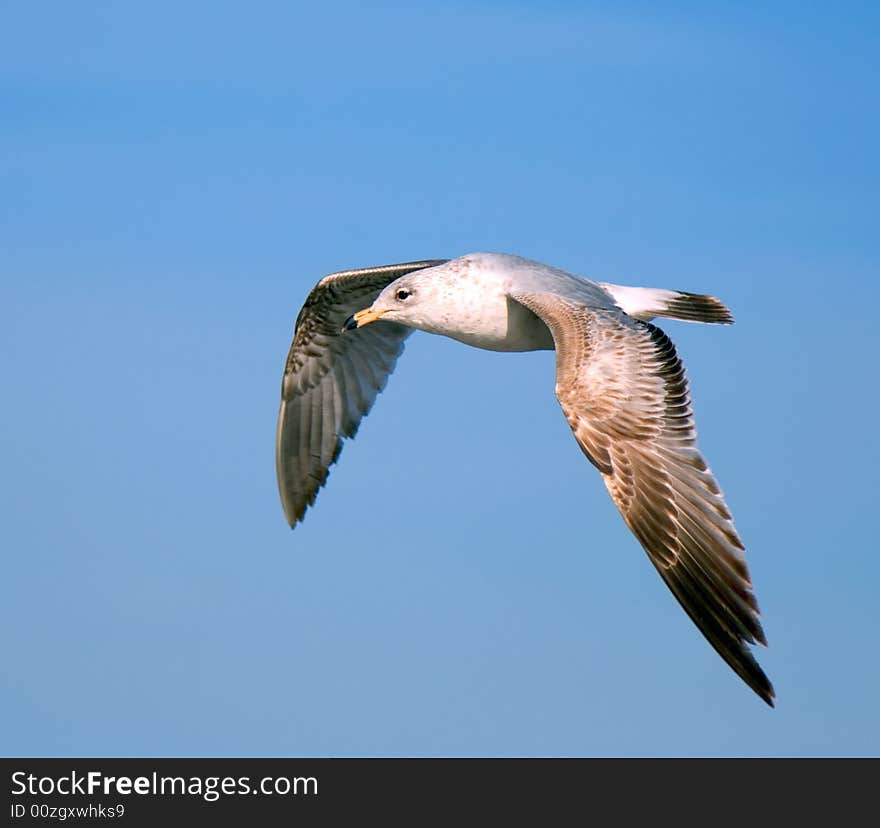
(646, 303)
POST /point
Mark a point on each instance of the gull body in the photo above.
(619, 382)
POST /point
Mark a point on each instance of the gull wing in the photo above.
(624, 393)
(331, 379)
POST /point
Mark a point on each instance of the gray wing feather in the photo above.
(624, 393)
(331, 379)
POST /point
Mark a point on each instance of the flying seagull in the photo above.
(619, 381)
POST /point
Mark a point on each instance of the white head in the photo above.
(435, 299)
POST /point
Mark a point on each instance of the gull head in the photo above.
(399, 302)
(430, 300)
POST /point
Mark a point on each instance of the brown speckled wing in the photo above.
(624, 393)
(331, 378)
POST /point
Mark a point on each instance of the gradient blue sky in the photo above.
(173, 180)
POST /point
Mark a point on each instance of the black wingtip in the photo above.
(767, 693)
(751, 673)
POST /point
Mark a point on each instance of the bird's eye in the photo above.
(403, 294)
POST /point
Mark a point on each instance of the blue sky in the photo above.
(173, 180)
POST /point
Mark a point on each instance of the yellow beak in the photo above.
(363, 317)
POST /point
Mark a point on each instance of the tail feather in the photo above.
(698, 307)
(647, 303)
